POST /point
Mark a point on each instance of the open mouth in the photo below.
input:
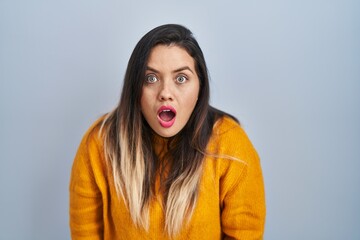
(166, 116)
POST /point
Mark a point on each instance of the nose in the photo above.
(165, 93)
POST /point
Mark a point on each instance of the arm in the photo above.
(243, 212)
(86, 220)
(242, 193)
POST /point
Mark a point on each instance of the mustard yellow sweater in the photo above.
(231, 203)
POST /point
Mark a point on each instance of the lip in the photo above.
(162, 122)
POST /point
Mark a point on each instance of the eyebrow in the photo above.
(175, 71)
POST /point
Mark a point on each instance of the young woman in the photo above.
(164, 164)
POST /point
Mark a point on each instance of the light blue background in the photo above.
(289, 70)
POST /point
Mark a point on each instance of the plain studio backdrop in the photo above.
(289, 70)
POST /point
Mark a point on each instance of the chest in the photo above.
(205, 222)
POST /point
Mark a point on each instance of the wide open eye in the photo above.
(181, 79)
(151, 78)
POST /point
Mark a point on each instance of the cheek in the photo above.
(144, 100)
(144, 108)
(191, 99)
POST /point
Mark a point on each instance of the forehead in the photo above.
(169, 57)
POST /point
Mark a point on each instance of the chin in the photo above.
(167, 133)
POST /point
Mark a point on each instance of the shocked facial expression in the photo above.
(170, 91)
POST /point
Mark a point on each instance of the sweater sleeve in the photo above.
(242, 190)
(86, 220)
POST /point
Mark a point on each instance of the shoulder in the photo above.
(229, 138)
(225, 124)
(232, 155)
(89, 162)
(90, 150)
(93, 135)
(231, 149)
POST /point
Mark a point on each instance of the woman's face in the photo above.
(171, 89)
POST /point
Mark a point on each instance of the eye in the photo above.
(151, 78)
(181, 79)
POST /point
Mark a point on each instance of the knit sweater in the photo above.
(231, 201)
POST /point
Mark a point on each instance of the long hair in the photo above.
(128, 139)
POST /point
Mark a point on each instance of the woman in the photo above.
(164, 164)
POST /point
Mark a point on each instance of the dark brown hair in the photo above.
(128, 139)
